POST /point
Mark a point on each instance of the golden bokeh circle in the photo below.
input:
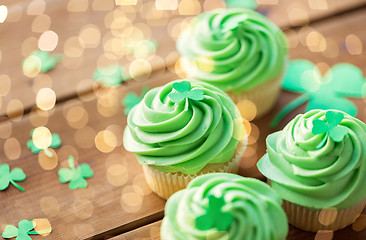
(46, 99)
(117, 175)
(42, 137)
(48, 162)
(49, 206)
(105, 141)
(12, 148)
(327, 216)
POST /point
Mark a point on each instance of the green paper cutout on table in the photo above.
(76, 176)
(214, 217)
(110, 76)
(13, 176)
(131, 99)
(23, 230)
(47, 61)
(55, 143)
(328, 92)
(331, 127)
(184, 92)
(251, 4)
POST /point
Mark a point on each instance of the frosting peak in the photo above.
(318, 167)
(182, 127)
(234, 49)
(224, 206)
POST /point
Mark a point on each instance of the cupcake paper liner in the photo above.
(263, 96)
(165, 184)
(308, 220)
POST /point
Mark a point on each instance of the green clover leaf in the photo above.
(331, 127)
(132, 99)
(22, 232)
(55, 143)
(47, 61)
(110, 76)
(7, 177)
(251, 4)
(75, 176)
(215, 217)
(184, 92)
(328, 92)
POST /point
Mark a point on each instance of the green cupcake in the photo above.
(224, 206)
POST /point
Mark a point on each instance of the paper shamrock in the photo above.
(251, 4)
(76, 176)
(111, 76)
(24, 228)
(55, 143)
(328, 92)
(184, 91)
(132, 99)
(47, 61)
(214, 217)
(331, 127)
(13, 176)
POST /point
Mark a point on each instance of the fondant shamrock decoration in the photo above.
(132, 99)
(13, 176)
(76, 176)
(214, 217)
(40, 61)
(24, 228)
(111, 76)
(328, 92)
(55, 143)
(331, 127)
(251, 4)
(184, 92)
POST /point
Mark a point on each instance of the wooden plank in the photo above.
(152, 231)
(67, 19)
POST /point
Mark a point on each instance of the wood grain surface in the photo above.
(116, 203)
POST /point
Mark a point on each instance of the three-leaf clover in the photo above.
(328, 92)
(76, 176)
(132, 99)
(184, 92)
(215, 217)
(41, 61)
(7, 177)
(21, 232)
(55, 143)
(110, 76)
(331, 127)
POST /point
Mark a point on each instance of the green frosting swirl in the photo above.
(255, 209)
(234, 49)
(315, 175)
(186, 136)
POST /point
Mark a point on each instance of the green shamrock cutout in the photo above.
(55, 143)
(47, 61)
(21, 232)
(7, 177)
(251, 4)
(111, 76)
(76, 176)
(328, 92)
(184, 92)
(214, 217)
(132, 99)
(331, 127)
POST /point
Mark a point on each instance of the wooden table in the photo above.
(118, 204)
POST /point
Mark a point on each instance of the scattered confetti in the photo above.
(251, 4)
(132, 99)
(13, 176)
(326, 92)
(184, 92)
(330, 127)
(55, 143)
(40, 61)
(24, 228)
(76, 176)
(214, 217)
(110, 76)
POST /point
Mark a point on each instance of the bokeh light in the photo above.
(327, 216)
(49, 206)
(105, 141)
(117, 175)
(3, 13)
(48, 162)
(42, 137)
(43, 226)
(46, 99)
(166, 4)
(48, 41)
(12, 148)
